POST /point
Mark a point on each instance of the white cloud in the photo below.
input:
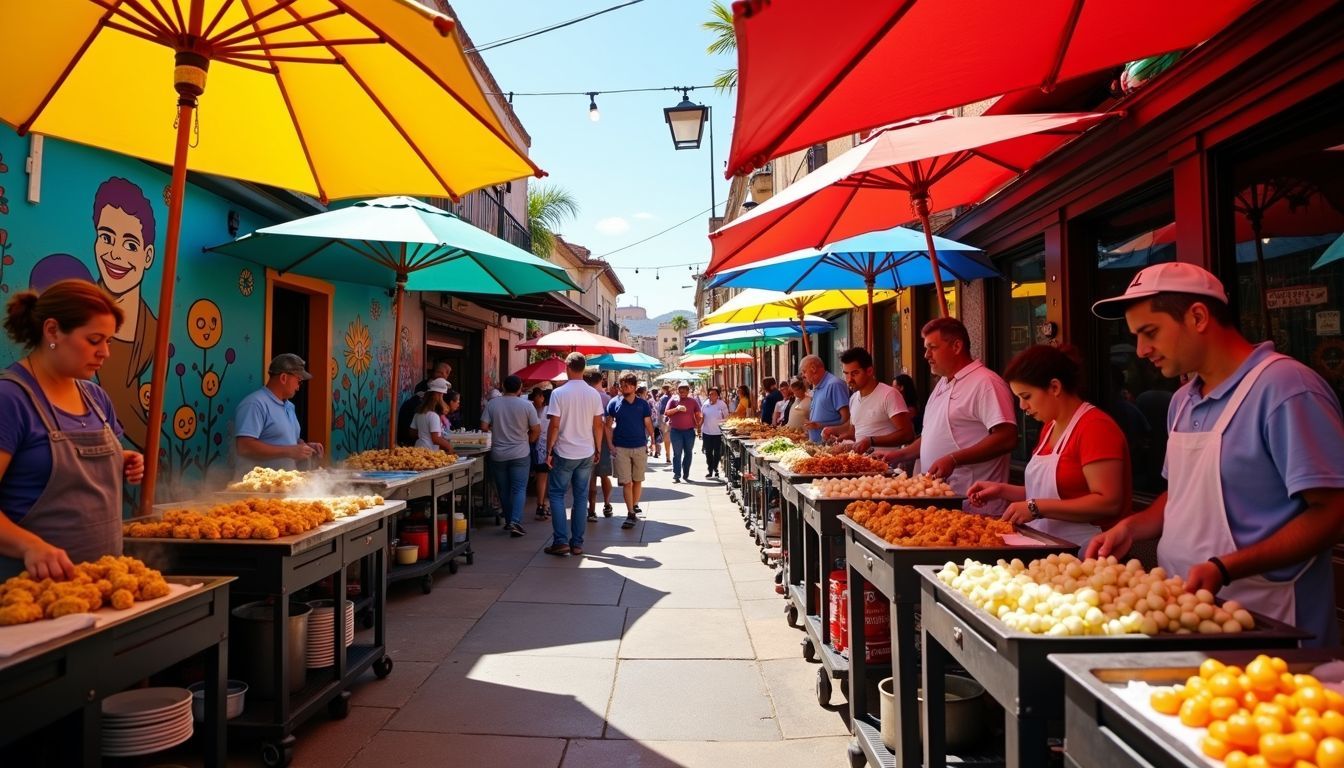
(612, 225)
(645, 216)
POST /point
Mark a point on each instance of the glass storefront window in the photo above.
(1022, 297)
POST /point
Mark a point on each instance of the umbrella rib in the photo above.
(792, 287)
(133, 32)
(1065, 38)
(308, 256)
(69, 67)
(258, 32)
(146, 21)
(985, 155)
(219, 16)
(264, 46)
(181, 20)
(254, 20)
(162, 18)
(840, 211)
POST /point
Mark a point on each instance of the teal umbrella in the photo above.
(711, 347)
(625, 361)
(399, 242)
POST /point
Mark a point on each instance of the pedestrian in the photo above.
(830, 398)
(711, 433)
(662, 422)
(427, 424)
(651, 444)
(629, 428)
(770, 399)
(1079, 476)
(540, 469)
(905, 384)
(602, 469)
(513, 425)
(267, 432)
(683, 418)
(743, 406)
(573, 444)
(799, 405)
(1255, 495)
(970, 427)
(877, 413)
(405, 415)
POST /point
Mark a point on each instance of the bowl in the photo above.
(408, 554)
(233, 703)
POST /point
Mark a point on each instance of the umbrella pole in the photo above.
(186, 106)
(1260, 277)
(394, 393)
(802, 328)
(921, 203)
(868, 328)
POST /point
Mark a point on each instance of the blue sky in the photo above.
(627, 178)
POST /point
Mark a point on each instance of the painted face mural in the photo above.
(204, 323)
(120, 249)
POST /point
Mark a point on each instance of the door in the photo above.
(298, 320)
(290, 333)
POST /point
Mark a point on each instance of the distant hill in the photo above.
(650, 327)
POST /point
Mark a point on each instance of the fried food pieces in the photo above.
(907, 526)
(262, 519)
(401, 459)
(879, 486)
(115, 581)
(843, 464)
(266, 480)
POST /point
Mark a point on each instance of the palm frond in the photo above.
(721, 25)
(725, 81)
(548, 207)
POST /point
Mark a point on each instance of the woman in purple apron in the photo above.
(61, 462)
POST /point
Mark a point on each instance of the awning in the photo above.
(553, 306)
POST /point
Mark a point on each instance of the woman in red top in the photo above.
(1079, 475)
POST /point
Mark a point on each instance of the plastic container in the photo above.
(443, 532)
(407, 554)
(459, 527)
(417, 535)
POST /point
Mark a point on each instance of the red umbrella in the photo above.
(550, 369)
(572, 338)
(888, 180)
(873, 62)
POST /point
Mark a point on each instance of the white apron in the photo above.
(1042, 480)
(1195, 525)
(938, 441)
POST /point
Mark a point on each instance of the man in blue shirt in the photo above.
(1255, 496)
(769, 400)
(629, 428)
(830, 398)
(267, 430)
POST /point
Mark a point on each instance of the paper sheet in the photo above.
(21, 637)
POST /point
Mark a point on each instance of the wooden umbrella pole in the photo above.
(921, 205)
(802, 328)
(868, 328)
(186, 106)
(396, 357)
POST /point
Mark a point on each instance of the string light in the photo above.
(593, 114)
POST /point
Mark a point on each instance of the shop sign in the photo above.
(1327, 323)
(1296, 296)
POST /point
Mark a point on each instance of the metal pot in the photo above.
(965, 719)
(252, 636)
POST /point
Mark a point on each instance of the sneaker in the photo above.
(630, 521)
(676, 479)
(607, 510)
(516, 530)
(559, 550)
(592, 517)
(709, 475)
(638, 511)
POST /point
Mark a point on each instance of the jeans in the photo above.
(569, 475)
(713, 451)
(683, 447)
(510, 477)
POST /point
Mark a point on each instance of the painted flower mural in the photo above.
(358, 347)
(358, 395)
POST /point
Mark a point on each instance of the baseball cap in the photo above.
(1172, 277)
(438, 385)
(685, 384)
(290, 363)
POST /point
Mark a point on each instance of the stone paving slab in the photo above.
(407, 749)
(794, 753)
(539, 629)
(571, 586)
(683, 633)
(667, 588)
(715, 700)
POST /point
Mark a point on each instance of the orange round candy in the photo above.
(1304, 746)
(1333, 724)
(1334, 700)
(1214, 748)
(1267, 724)
(1276, 748)
(1306, 721)
(1241, 731)
(1279, 665)
(1262, 675)
(1330, 753)
(1195, 713)
(1166, 701)
(1223, 707)
(1223, 684)
(1235, 759)
(1209, 667)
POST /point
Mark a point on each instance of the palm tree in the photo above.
(547, 208)
(679, 323)
(725, 41)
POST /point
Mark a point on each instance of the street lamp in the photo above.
(687, 122)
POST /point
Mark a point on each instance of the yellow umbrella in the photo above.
(335, 98)
(756, 304)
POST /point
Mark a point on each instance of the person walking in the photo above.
(573, 444)
(513, 425)
(602, 469)
(711, 433)
(683, 418)
(540, 469)
(770, 398)
(830, 398)
(629, 428)
(662, 423)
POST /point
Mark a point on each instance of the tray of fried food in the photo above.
(110, 580)
(841, 464)
(915, 489)
(401, 459)
(261, 519)
(904, 525)
(267, 480)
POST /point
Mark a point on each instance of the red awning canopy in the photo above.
(806, 76)
(550, 369)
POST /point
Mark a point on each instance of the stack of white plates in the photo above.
(145, 720)
(321, 624)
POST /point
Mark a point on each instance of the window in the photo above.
(1021, 300)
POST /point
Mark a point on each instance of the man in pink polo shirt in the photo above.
(684, 417)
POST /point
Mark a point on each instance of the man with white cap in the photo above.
(266, 432)
(1255, 496)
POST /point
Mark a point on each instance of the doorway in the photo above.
(298, 320)
(289, 333)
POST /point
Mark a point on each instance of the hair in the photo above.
(630, 378)
(1178, 304)
(641, 391)
(1040, 364)
(768, 382)
(120, 193)
(71, 303)
(591, 377)
(543, 393)
(949, 328)
(452, 397)
(797, 382)
(744, 390)
(513, 384)
(575, 361)
(906, 385)
(857, 355)
(811, 358)
(431, 401)
(713, 391)
(667, 388)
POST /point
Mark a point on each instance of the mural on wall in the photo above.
(359, 391)
(6, 260)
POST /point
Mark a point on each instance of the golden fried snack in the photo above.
(24, 600)
(907, 526)
(401, 460)
(258, 519)
(19, 613)
(842, 464)
(266, 480)
(122, 599)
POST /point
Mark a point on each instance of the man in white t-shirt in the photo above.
(573, 442)
(878, 416)
(969, 425)
(711, 434)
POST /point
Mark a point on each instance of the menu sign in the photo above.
(1296, 296)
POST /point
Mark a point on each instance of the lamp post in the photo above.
(687, 124)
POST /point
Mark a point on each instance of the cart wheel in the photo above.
(452, 566)
(791, 614)
(779, 575)
(339, 707)
(383, 667)
(471, 558)
(765, 559)
(809, 650)
(278, 754)
(367, 619)
(823, 688)
(427, 583)
(856, 757)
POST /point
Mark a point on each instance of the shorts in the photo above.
(630, 465)
(603, 466)
(657, 434)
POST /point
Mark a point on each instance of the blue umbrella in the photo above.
(1332, 254)
(887, 259)
(786, 327)
(626, 361)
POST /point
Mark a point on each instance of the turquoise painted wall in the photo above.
(218, 308)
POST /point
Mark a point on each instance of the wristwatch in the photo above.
(1033, 509)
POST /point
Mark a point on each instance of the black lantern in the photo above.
(687, 123)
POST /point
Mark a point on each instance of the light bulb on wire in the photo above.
(593, 114)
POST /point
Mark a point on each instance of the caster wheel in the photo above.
(856, 757)
(471, 558)
(383, 667)
(823, 688)
(339, 707)
(809, 650)
(278, 754)
(779, 575)
(791, 615)
(427, 583)
(765, 560)
(452, 566)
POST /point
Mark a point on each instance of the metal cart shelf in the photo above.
(68, 678)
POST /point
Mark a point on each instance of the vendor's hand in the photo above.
(318, 450)
(982, 491)
(862, 445)
(889, 455)
(1204, 575)
(133, 466)
(812, 425)
(43, 561)
(301, 452)
(1017, 513)
(1115, 541)
(942, 467)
